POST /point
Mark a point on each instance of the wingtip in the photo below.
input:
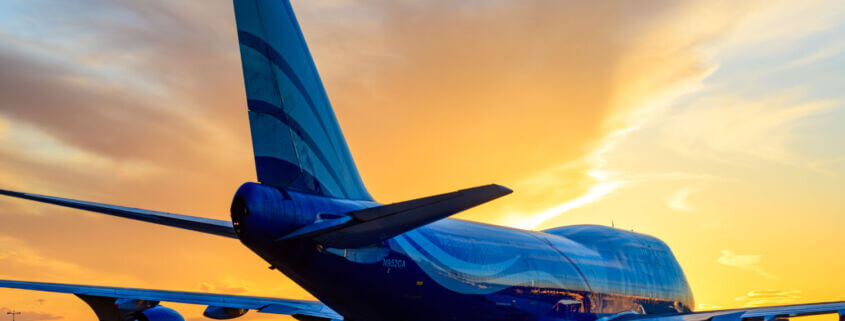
(503, 189)
(490, 189)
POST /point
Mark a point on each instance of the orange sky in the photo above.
(712, 125)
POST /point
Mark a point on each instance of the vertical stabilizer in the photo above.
(296, 139)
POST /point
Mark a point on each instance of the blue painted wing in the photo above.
(781, 312)
(265, 305)
(296, 139)
(199, 224)
(375, 224)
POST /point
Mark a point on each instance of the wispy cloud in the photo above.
(746, 262)
(603, 182)
(730, 129)
(757, 298)
(222, 288)
(705, 306)
(23, 261)
(679, 201)
(594, 193)
(831, 50)
(647, 83)
(15, 254)
(828, 166)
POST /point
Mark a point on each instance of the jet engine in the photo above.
(223, 313)
(121, 309)
(156, 313)
(261, 212)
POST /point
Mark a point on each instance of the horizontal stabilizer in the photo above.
(376, 224)
(199, 224)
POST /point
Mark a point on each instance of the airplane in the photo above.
(311, 218)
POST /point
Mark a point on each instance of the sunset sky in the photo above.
(716, 126)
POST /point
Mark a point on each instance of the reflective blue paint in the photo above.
(159, 313)
(278, 70)
(447, 270)
(256, 43)
(459, 270)
(279, 113)
(296, 129)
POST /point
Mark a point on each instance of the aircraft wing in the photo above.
(782, 312)
(296, 308)
(199, 224)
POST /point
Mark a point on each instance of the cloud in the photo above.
(15, 254)
(826, 52)
(149, 91)
(548, 182)
(679, 201)
(27, 262)
(765, 30)
(831, 166)
(659, 67)
(731, 128)
(31, 315)
(756, 298)
(587, 84)
(227, 289)
(142, 102)
(154, 90)
(704, 306)
(743, 261)
(106, 121)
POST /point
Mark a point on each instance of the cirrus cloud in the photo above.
(756, 298)
(746, 262)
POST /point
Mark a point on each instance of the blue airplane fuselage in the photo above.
(460, 270)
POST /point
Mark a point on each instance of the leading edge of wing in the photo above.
(261, 304)
(199, 224)
(761, 313)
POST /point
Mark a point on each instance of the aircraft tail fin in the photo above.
(297, 142)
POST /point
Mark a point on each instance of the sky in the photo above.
(713, 125)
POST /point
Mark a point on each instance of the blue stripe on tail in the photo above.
(296, 139)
